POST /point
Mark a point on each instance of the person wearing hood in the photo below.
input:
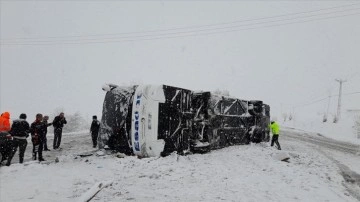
(5, 122)
(19, 131)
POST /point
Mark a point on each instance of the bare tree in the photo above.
(284, 116)
(75, 122)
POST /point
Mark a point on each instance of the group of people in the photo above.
(20, 130)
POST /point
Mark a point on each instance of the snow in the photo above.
(344, 130)
(94, 190)
(106, 87)
(281, 156)
(236, 173)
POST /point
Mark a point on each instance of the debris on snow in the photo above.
(281, 156)
(120, 155)
(100, 153)
(85, 154)
(91, 193)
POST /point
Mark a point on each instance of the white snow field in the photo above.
(238, 173)
(344, 130)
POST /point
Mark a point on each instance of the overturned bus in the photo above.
(156, 120)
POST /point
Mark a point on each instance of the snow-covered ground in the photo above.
(238, 173)
(344, 130)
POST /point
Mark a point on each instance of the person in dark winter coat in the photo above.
(5, 145)
(58, 124)
(94, 130)
(37, 129)
(45, 120)
(20, 131)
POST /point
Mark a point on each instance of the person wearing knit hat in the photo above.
(23, 116)
(20, 131)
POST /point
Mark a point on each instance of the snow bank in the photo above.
(237, 173)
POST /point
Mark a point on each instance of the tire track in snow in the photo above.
(320, 143)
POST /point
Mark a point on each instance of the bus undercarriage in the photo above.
(156, 120)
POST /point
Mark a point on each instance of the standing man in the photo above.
(20, 131)
(275, 130)
(37, 129)
(58, 124)
(45, 120)
(94, 130)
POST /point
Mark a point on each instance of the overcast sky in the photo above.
(57, 54)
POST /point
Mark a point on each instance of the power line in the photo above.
(351, 93)
(310, 103)
(188, 34)
(322, 99)
(189, 27)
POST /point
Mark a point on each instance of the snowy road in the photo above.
(345, 155)
(321, 141)
(315, 172)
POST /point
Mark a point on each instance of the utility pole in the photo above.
(325, 118)
(338, 114)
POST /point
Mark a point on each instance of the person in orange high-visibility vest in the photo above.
(5, 122)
